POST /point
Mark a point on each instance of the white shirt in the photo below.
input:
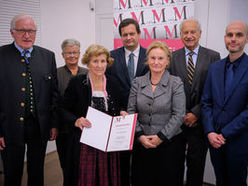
(135, 57)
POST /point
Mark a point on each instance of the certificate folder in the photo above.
(109, 133)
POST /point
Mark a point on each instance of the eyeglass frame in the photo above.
(22, 31)
(71, 53)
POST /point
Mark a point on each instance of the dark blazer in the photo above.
(74, 105)
(178, 67)
(226, 115)
(12, 94)
(120, 71)
(77, 98)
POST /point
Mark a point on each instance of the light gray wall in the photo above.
(62, 19)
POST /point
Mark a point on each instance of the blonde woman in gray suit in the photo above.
(159, 100)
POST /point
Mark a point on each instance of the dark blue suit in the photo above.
(120, 71)
(228, 116)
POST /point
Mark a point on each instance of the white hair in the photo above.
(18, 17)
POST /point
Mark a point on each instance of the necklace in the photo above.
(154, 84)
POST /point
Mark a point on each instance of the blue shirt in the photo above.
(21, 49)
(194, 56)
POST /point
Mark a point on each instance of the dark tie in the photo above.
(131, 66)
(229, 78)
(190, 68)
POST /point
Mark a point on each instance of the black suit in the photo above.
(194, 137)
(120, 71)
(15, 128)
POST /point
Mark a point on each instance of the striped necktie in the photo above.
(190, 68)
(26, 55)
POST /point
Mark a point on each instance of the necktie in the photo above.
(26, 55)
(229, 78)
(131, 66)
(190, 68)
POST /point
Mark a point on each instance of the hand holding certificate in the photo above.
(109, 133)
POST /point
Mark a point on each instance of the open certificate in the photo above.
(109, 133)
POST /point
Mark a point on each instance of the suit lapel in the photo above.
(240, 72)
(220, 80)
(140, 64)
(181, 61)
(198, 67)
(146, 86)
(163, 83)
(183, 65)
(123, 67)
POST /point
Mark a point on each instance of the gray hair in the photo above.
(191, 19)
(18, 17)
(70, 42)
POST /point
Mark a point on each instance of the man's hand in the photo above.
(53, 134)
(2, 143)
(216, 140)
(190, 120)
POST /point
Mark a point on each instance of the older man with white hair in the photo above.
(28, 103)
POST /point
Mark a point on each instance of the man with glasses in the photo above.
(28, 103)
(71, 54)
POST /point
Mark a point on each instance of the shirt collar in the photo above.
(235, 63)
(135, 52)
(196, 50)
(21, 49)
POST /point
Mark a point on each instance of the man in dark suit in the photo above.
(27, 103)
(225, 109)
(200, 59)
(129, 62)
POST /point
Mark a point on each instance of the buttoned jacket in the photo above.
(12, 92)
(161, 111)
(228, 115)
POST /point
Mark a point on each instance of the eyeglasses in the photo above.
(22, 31)
(71, 53)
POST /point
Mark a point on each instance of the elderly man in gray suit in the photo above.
(191, 65)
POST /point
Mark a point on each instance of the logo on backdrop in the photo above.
(158, 19)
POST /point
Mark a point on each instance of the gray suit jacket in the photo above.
(160, 112)
(178, 67)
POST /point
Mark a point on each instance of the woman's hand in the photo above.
(146, 142)
(123, 113)
(82, 122)
(155, 140)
